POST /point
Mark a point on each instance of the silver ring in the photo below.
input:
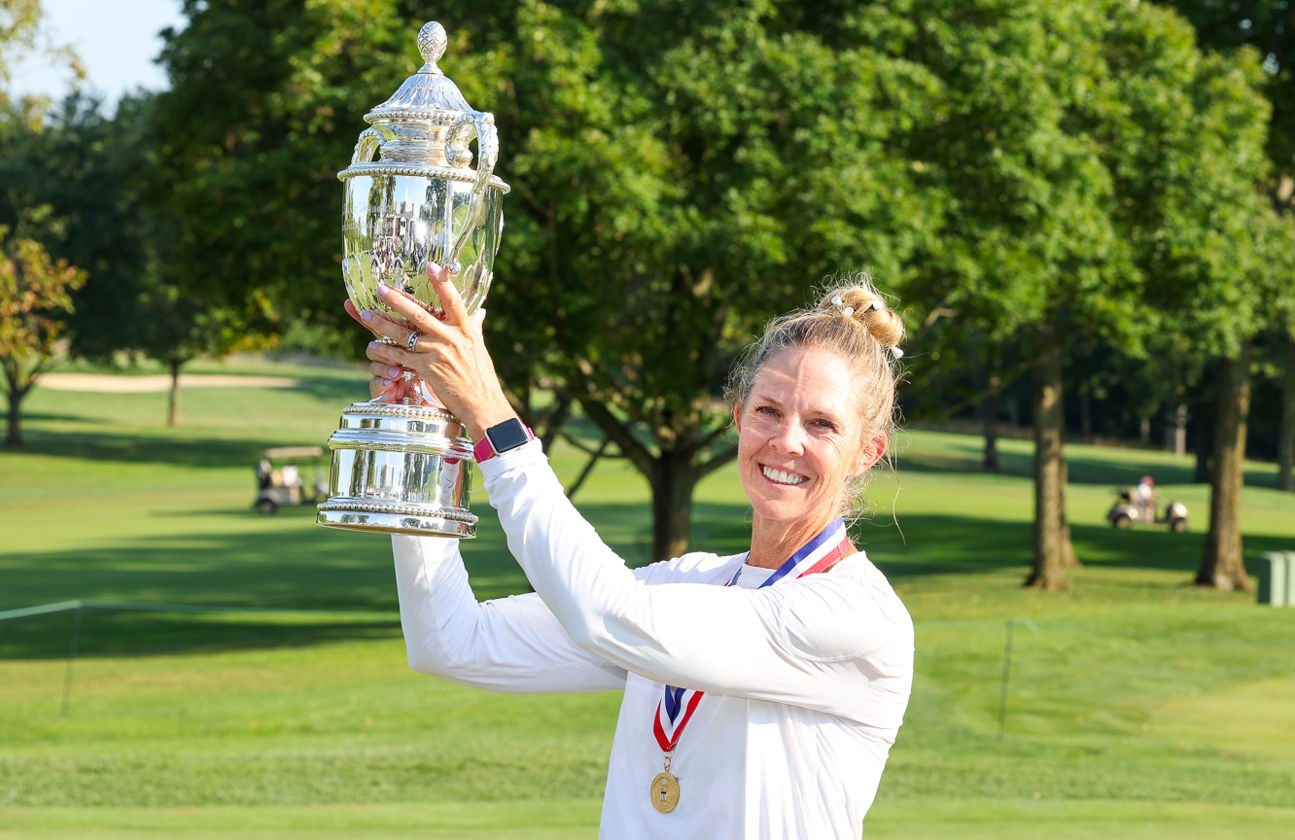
(411, 341)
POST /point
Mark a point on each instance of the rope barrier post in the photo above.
(1007, 675)
(71, 655)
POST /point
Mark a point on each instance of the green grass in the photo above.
(1137, 707)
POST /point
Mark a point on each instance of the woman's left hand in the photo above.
(448, 353)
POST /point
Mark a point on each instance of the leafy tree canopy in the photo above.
(682, 172)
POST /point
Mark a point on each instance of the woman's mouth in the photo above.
(782, 476)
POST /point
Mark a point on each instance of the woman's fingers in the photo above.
(451, 300)
(386, 370)
(357, 315)
(389, 390)
(414, 314)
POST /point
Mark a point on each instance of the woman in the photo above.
(762, 691)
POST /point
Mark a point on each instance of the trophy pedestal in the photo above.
(399, 469)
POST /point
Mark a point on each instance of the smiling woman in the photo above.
(763, 690)
(813, 405)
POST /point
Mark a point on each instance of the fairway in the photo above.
(238, 674)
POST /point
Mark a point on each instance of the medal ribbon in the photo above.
(818, 555)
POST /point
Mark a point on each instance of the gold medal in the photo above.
(665, 792)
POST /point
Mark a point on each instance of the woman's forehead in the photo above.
(812, 374)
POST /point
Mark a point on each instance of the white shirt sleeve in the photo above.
(840, 643)
(511, 644)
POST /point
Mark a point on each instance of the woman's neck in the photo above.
(773, 542)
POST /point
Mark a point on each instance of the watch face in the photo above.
(509, 434)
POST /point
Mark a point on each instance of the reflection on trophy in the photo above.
(412, 197)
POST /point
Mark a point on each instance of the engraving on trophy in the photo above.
(412, 197)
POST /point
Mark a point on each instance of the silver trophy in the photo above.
(413, 197)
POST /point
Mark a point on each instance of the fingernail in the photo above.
(366, 315)
(393, 372)
(373, 345)
(386, 383)
(382, 287)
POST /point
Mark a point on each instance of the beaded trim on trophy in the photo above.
(381, 168)
(397, 410)
(431, 114)
(401, 510)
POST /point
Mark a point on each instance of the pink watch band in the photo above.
(507, 435)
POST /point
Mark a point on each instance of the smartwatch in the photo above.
(502, 437)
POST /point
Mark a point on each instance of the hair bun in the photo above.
(865, 306)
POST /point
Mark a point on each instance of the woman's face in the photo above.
(800, 437)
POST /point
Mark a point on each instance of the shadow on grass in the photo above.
(127, 447)
(119, 631)
(1086, 465)
(245, 578)
(303, 568)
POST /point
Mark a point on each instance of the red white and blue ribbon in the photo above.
(818, 555)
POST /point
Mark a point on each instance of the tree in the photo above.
(1266, 26)
(1078, 139)
(669, 174)
(1261, 280)
(249, 140)
(34, 292)
(89, 172)
(681, 173)
(677, 181)
(104, 208)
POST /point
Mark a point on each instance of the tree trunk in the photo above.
(173, 402)
(1069, 560)
(989, 419)
(14, 435)
(672, 482)
(1204, 445)
(15, 390)
(1222, 565)
(1286, 433)
(1176, 431)
(1051, 543)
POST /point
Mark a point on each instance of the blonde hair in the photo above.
(854, 322)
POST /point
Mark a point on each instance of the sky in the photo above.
(117, 40)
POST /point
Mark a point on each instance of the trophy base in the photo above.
(399, 469)
(356, 515)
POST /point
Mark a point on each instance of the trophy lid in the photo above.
(428, 94)
(426, 126)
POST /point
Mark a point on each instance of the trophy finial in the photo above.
(431, 44)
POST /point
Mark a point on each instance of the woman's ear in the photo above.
(869, 454)
(737, 416)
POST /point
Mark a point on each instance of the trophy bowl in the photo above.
(413, 198)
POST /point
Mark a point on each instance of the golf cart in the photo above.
(1127, 510)
(290, 475)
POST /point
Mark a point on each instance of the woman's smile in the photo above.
(778, 476)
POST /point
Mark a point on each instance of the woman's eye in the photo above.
(825, 425)
(767, 411)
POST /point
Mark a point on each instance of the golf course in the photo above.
(197, 669)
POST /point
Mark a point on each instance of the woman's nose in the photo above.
(790, 438)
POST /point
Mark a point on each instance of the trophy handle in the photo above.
(366, 146)
(458, 156)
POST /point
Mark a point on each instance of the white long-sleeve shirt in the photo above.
(806, 681)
